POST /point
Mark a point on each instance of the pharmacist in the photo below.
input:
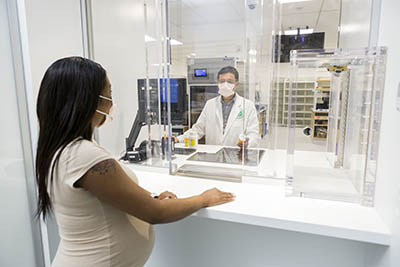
(227, 117)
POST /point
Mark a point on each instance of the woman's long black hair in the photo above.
(68, 98)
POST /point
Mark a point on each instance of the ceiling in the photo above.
(210, 22)
(315, 14)
(310, 13)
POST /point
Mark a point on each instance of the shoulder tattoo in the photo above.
(103, 168)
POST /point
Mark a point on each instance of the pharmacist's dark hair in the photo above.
(229, 69)
(67, 101)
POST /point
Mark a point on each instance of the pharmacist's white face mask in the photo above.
(226, 89)
(111, 113)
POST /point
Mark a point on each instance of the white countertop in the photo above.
(267, 206)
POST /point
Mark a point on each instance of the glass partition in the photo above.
(131, 41)
(190, 114)
(346, 118)
(229, 112)
(222, 50)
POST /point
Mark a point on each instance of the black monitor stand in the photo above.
(137, 154)
(179, 107)
(134, 133)
(132, 154)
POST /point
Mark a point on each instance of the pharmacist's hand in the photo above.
(167, 195)
(243, 144)
(214, 197)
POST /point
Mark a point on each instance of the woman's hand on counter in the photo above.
(167, 195)
(214, 197)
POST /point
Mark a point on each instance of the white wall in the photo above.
(355, 23)
(388, 180)
(118, 29)
(54, 32)
(54, 29)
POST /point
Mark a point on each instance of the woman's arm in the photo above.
(109, 182)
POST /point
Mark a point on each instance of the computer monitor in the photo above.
(200, 73)
(295, 42)
(179, 106)
(174, 90)
(178, 99)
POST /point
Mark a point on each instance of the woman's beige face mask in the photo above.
(111, 113)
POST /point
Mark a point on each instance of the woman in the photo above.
(104, 217)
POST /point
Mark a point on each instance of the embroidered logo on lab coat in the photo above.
(240, 115)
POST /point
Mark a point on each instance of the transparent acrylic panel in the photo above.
(154, 93)
(130, 41)
(205, 33)
(345, 169)
(293, 28)
(198, 53)
(205, 38)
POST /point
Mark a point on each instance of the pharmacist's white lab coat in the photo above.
(210, 123)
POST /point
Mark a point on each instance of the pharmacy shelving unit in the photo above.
(304, 97)
(319, 123)
(319, 117)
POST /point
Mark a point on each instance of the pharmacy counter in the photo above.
(267, 206)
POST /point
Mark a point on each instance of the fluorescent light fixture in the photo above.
(302, 31)
(292, 1)
(306, 31)
(148, 38)
(252, 52)
(290, 32)
(175, 42)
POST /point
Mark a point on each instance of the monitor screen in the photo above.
(296, 42)
(200, 72)
(178, 99)
(174, 91)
